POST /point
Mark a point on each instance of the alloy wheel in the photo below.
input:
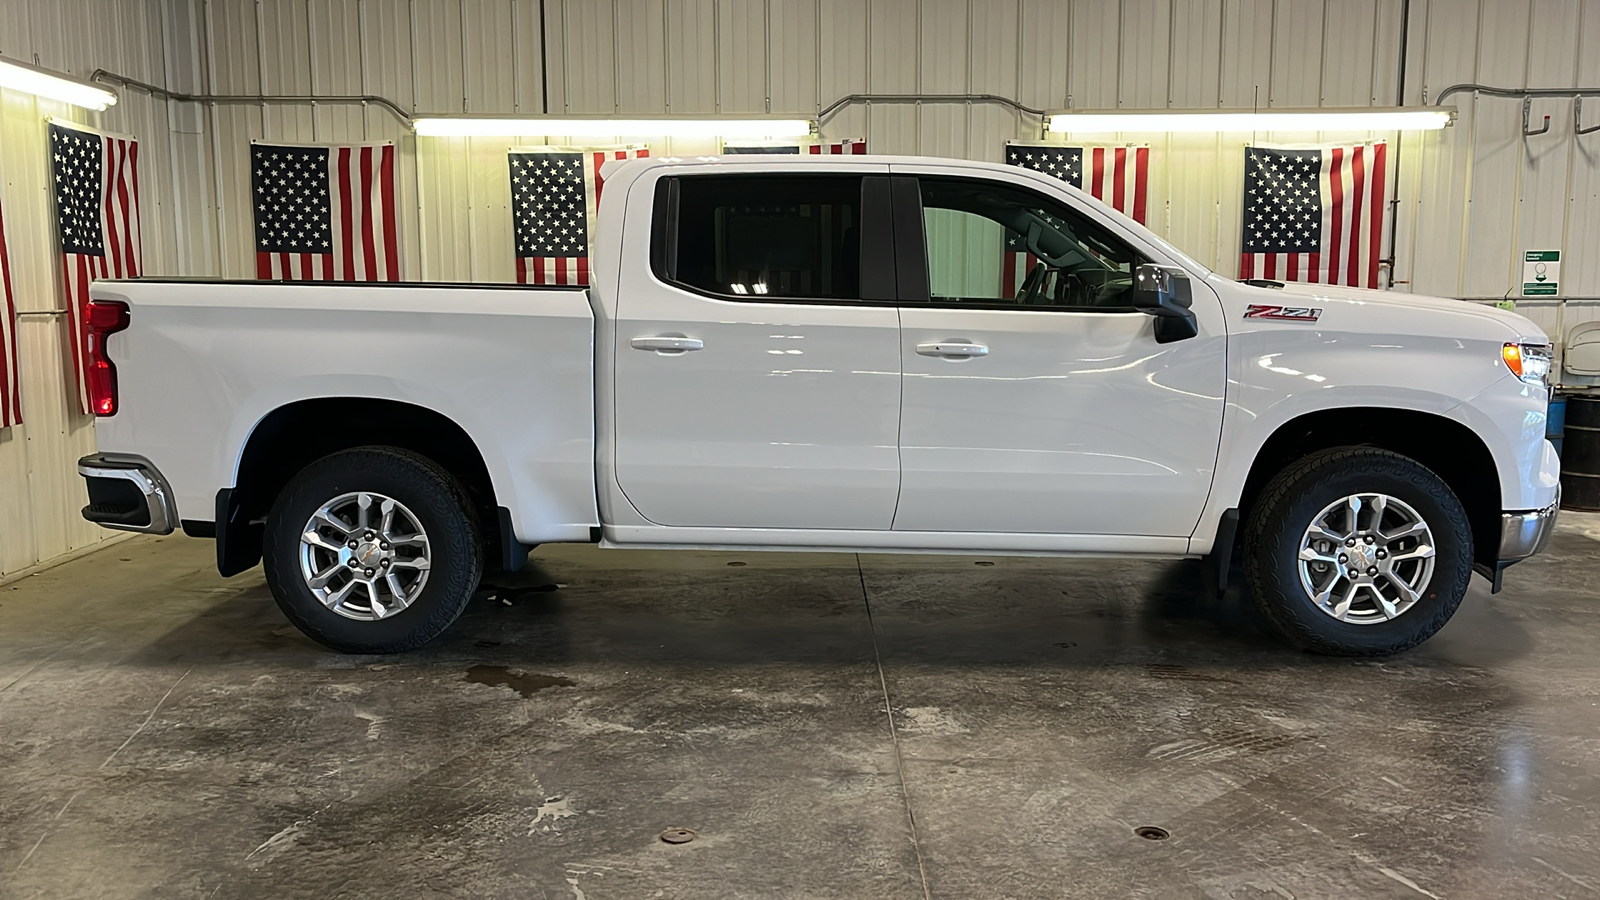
(364, 556)
(1366, 558)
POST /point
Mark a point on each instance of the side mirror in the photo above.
(1164, 292)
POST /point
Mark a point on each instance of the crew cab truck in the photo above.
(853, 353)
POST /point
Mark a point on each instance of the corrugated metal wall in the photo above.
(40, 492)
(1472, 197)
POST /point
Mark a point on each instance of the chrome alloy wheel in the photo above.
(1366, 558)
(361, 569)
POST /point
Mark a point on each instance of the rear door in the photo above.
(1036, 399)
(758, 367)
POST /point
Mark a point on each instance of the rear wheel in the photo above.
(1358, 552)
(373, 550)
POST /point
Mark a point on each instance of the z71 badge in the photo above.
(1289, 313)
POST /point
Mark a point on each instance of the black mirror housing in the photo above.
(1164, 292)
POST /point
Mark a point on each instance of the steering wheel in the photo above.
(1030, 285)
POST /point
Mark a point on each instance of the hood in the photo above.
(1522, 328)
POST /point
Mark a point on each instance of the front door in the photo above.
(1036, 399)
(758, 367)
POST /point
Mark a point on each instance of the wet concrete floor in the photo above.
(827, 725)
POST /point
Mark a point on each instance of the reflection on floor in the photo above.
(827, 726)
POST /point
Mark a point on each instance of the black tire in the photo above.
(1283, 513)
(442, 509)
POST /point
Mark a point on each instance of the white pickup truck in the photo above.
(853, 353)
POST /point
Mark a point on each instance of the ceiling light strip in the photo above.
(19, 76)
(506, 126)
(1360, 118)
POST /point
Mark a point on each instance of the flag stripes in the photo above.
(847, 147)
(10, 391)
(1120, 178)
(851, 147)
(97, 223)
(348, 192)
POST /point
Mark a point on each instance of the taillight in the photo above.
(105, 318)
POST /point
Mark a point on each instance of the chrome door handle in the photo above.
(667, 343)
(953, 349)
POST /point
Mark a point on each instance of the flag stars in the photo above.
(552, 202)
(77, 162)
(1060, 162)
(294, 215)
(1283, 199)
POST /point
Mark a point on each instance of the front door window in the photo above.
(993, 244)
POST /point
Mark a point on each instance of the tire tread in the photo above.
(1266, 538)
(460, 537)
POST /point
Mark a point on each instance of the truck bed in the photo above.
(204, 362)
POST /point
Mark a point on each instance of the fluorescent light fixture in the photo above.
(20, 76)
(1357, 118)
(598, 126)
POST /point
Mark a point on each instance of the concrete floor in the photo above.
(165, 733)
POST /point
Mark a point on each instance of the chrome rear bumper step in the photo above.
(127, 493)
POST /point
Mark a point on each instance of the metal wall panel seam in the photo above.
(311, 70)
(1572, 153)
(1372, 72)
(1222, 12)
(1272, 55)
(422, 205)
(216, 142)
(1322, 57)
(1471, 156)
(472, 217)
(261, 68)
(816, 18)
(361, 67)
(1512, 267)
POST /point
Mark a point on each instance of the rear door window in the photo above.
(766, 237)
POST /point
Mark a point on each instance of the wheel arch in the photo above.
(1449, 448)
(296, 434)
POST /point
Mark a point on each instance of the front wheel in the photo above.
(372, 550)
(1358, 552)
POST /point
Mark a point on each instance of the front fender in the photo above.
(1279, 372)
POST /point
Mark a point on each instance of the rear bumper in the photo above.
(127, 493)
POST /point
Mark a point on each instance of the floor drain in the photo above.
(983, 562)
(736, 564)
(678, 835)
(1152, 833)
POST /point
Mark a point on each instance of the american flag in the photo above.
(97, 222)
(325, 213)
(1313, 214)
(1116, 176)
(554, 193)
(850, 147)
(10, 393)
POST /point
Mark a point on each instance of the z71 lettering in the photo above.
(1293, 313)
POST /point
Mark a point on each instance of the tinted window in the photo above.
(765, 236)
(990, 243)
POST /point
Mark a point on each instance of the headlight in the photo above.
(1530, 362)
